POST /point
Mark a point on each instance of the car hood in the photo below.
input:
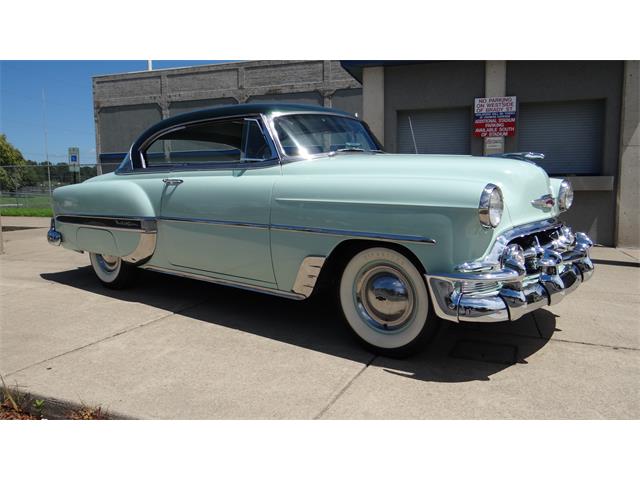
(459, 178)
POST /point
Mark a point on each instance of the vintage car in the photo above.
(283, 199)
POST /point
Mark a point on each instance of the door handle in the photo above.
(172, 181)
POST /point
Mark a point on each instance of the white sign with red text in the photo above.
(494, 117)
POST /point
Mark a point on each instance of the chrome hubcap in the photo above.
(384, 297)
(108, 263)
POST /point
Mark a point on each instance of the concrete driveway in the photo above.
(175, 348)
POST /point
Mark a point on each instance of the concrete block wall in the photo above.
(126, 104)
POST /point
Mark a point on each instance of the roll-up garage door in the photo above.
(570, 134)
(435, 131)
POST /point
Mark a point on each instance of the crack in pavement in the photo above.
(629, 255)
(116, 334)
(335, 398)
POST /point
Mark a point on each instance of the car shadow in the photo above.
(459, 352)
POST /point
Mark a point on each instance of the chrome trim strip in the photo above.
(144, 250)
(222, 165)
(391, 237)
(226, 223)
(146, 224)
(228, 283)
(308, 274)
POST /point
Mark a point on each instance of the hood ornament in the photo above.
(545, 201)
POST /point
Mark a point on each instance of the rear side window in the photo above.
(211, 143)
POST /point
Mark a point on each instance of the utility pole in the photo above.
(46, 142)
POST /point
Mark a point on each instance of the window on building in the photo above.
(221, 141)
(570, 134)
(445, 130)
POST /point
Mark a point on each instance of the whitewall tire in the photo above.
(385, 302)
(112, 271)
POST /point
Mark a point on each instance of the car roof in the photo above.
(232, 110)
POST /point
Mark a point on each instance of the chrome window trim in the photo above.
(240, 165)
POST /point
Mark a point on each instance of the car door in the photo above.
(215, 206)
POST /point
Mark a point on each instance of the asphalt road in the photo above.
(177, 348)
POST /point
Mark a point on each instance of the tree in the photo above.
(12, 159)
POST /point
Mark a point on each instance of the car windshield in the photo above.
(309, 134)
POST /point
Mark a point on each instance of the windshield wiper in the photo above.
(350, 149)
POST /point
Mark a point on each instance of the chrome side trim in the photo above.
(226, 223)
(108, 222)
(145, 226)
(308, 274)
(228, 283)
(144, 250)
(389, 237)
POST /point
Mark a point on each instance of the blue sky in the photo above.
(69, 102)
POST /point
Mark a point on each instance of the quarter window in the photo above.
(211, 143)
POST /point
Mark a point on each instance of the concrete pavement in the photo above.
(176, 348)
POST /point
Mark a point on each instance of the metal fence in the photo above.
(31, 186)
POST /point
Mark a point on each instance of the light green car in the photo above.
(285, 199)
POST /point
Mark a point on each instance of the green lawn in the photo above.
(26, 212)
(25, 205)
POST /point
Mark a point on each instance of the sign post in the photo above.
(74, 162)
(494, 119)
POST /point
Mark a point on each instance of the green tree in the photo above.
(11, 165)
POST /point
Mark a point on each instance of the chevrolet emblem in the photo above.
(545, 201)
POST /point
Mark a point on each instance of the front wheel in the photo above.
(385, 302)
(112, 271)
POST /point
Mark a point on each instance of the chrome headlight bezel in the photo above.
(491, 206)
(565, 195)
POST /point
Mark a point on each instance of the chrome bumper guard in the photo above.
(54, 237)
(507, 289)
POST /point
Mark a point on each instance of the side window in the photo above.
(210, 143)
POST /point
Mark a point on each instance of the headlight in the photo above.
(491, 206)
(565, 196)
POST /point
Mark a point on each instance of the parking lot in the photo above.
(177, 348)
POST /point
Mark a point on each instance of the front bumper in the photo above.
(495, 290)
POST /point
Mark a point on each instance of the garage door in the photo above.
(435, 131)
(570, 134)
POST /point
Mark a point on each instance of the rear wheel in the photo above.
(112, 271)
(385, 302)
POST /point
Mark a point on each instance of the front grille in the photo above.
(533, 244)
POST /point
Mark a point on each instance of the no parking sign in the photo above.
(494, 117)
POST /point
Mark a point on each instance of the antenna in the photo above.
(413, 136)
